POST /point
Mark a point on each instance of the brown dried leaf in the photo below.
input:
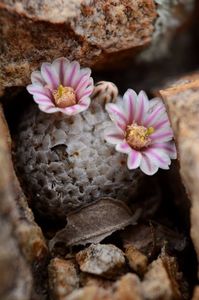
(149, 239)
(94, 222)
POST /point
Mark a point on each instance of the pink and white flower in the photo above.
(141, 130)
(61, 87)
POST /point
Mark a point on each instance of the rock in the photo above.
(15, 276)
(181, 99)
(103, 260)
(83, 30)
(94, 280)
(23, 234)
(160, 282)
(128, 288)
(196, 293)
(63, 278)
(91, 293)
(137, 260)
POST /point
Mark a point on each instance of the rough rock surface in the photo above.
(160, 282)
(136, 259)
(83, 30)
(20, 232)
(99, 259)
(15, 277)
(63, 278)
(182, 102)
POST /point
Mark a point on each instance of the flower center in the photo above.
(64, 96)
(138, 136)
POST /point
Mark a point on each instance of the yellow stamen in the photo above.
(138, 136)
(64, 96)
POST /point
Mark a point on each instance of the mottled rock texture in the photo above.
(92, 32)
(15, 277)
(22, 246)
(182, 100)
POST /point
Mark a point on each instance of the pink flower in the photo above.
(141, 130)
(61, 86)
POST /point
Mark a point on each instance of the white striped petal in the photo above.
(158, 157)
(142, 107)
(50, 76)
(123, 147)
(113, 135)
(168, 147)
(134, 159)
(117, 115)
(147, 166)
(129, 103)
(60, 66)
(36, 77)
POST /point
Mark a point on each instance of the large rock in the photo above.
(182, 101)
(93, 32)
(23, 251)
(15, 277)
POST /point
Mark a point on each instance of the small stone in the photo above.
(91, 293)
(159, 282)
(63, 278)
(103, 260)
(94, 280)
(196, 293)
(128, 288)
(137, 260)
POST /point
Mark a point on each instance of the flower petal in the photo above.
(48, 109)
(168, 147)
(50, 76)
(152, 117)
(75, 109)
(60, 66)
(142, 107)
(158, 157)
(134, 159)
(164, 134)
(113, 135)
(86, 89)
(147, 166)
(117, 115)
(123, 147)
(36, 77)
(40, 94)
(129, 102)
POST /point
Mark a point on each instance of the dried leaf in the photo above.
(94, 222)
(149, 239)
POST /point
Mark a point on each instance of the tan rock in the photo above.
(15, 275)
(104, 260)
(83, 30)
(23, 229)
(160, 282)
(128, 288)
(181, 100)
(91, 293)
(63, 278)
(94, 280)
(196, 293)
(136, 259)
